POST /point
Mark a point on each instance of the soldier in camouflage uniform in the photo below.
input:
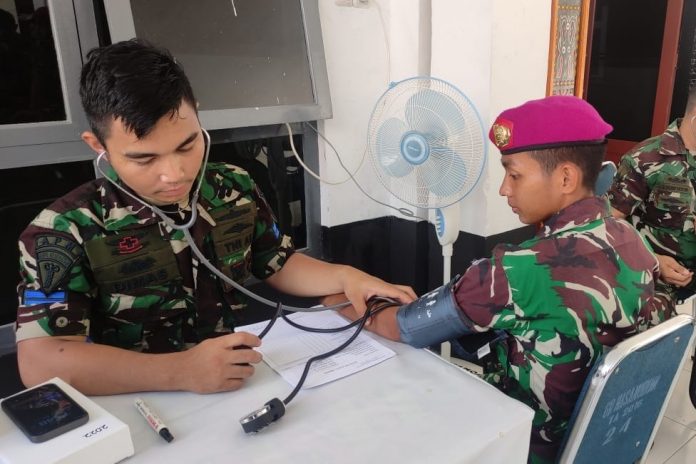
(583, 283)
(112, 299)
(654, 190)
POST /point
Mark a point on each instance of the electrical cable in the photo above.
(405, 211)
(386, 39)
(387, 50)
(314, 174)
(351, 175)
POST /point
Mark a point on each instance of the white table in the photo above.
(411, 408)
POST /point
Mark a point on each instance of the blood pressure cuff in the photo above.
(432, 318)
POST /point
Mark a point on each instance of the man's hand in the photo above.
(216, 364)
(305, 276)
(672, 272)
(383, 324)
(219, 364)
(360, 287)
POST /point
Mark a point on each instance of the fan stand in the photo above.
(426, 137)
(446, 221)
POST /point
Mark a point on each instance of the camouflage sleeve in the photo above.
(54, 293)
(270, 248)
(630, 187)
(483, 294)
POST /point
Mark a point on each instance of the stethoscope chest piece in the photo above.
(263, 417)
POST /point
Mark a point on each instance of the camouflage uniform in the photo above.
(654, 188)
(131, 281)
(583, 283)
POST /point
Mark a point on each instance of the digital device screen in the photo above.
(44, 412)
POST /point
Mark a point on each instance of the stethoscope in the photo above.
(273, 409)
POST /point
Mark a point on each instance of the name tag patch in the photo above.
(126, 263)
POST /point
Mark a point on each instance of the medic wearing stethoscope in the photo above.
(127, 281)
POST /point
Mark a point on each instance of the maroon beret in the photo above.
(555, 121)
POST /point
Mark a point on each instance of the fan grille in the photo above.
(426, 142)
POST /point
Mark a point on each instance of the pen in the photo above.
(153, 419)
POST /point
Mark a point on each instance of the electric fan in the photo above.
(427, 147)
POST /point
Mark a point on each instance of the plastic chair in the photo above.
(626, 394)
(688, 296)
(605, 178)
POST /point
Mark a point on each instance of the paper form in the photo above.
(286, 349)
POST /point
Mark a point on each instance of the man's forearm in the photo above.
(305, 276)
(97, 369)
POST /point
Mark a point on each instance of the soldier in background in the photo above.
(583, 283)
(112, 299)
(654, 190)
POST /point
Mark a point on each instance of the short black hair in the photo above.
(133, 81)
(588, 158)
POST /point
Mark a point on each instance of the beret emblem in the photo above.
(501, 134)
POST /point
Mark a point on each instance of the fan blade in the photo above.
(435, 115)
(388, 148)
(445, 173)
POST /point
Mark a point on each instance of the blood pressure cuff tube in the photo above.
(432, 318)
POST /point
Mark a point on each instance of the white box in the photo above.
(102, 440)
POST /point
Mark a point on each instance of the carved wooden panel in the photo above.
(569, 21)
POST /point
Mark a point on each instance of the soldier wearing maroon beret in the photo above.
(583, 283)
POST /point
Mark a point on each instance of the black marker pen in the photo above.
(153, 419)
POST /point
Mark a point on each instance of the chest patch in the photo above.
(234, 230)
(128, 262)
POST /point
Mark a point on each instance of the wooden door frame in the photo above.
(668, 66)
(584, 25)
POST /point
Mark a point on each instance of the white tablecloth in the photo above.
(413, 408)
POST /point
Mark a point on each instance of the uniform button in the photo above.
(61, 321)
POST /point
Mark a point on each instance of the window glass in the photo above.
(30, 82)
(237, 53)
(624, 64)
(34, 188)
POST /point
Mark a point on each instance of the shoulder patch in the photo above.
(55, 256)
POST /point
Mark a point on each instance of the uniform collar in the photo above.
(120, 211)
(576, 215)
(671, 142)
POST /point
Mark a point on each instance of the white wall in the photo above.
(519, 62)
(461, 54)
(495, 51)
(356, 61)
